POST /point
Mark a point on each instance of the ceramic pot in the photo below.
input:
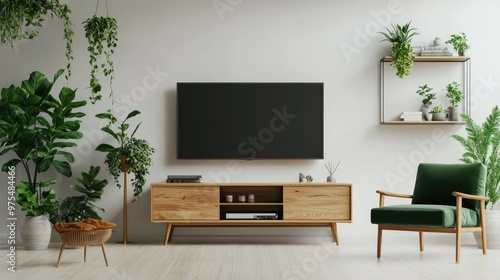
(453, 113)
(437, 42)
(425, 110)
(438, 116)
(331, 179)
(35, 232)
(492, 218)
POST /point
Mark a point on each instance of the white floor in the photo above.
(230, 259)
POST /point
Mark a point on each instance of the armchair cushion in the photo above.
(423, 215)
(436, 182)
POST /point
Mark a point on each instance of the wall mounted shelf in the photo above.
(465, 60)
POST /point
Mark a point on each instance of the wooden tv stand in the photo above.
(296, 204)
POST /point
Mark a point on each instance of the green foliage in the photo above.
(78, 208)
(438, 109)
(137, 151)
(482, 145)
(22, 20)
(38, 128)
(102, 35)
(459, 42)
(401, 51)
(425, 92)
(454, 93)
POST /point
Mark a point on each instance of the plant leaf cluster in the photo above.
(102, 35)
(78, 208)
(454, 93)
(459, 42)
(425, 92)
(22, 20)
(402, 52)
(138, 152)
(38, 128)
(482, 145)
(438, 109)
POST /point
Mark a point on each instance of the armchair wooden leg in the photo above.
(421, 240)
(457, 250)
(379, 241)
(483, 241)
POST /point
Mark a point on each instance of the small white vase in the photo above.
(35, 232)
(331, 179)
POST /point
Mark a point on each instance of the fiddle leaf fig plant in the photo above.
(401, 49)
(102, 36)
(22, 20)
(37, 128)
(425, 92)
(137, 152)
(78, 208)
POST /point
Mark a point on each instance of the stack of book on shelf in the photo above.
(435, 51)
(184, 179)
(411, 116)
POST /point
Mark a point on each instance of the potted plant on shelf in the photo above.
(459, 43)
(37, 128)
(132, 155)
(427, 101)
(482, 145)
(102, 36)
(22, 20)
(401, 49)
(455, 95)
(438, 113)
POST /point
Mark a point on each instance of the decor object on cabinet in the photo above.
(459, 43)
(482, 145)
(132, 155)
(331, 170)
(447, 198)
(438, 113)
(38, 128)
(22, 20)
(401, 49)
(455, 95)
(102, 35)
(427, 101)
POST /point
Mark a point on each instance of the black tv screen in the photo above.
(249, 120)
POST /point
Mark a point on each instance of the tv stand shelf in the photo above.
(296, 204)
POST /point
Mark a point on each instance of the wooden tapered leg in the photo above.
(483, 228)
(457, 254)
(84, 253)
(60, 255)
(171, 233)
(421, 240)
(379, 242)
(168, 232)
(104, 254)
(335, 235)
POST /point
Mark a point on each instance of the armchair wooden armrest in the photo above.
(392, 194)
(470, 196)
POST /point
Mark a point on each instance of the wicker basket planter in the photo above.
(90, 232)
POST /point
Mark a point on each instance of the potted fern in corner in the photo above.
(401, 49)
(482, 145)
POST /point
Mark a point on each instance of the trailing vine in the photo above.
(402, 53)
(22, 20)
(102, 35)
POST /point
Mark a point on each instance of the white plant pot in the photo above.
(35, 232)
(492, 218)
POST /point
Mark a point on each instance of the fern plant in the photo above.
(482, 145)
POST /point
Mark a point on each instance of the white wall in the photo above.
(283, 40)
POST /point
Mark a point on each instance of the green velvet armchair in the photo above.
(448, 198)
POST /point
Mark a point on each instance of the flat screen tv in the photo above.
(249, 120)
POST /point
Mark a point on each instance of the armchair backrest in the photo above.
(435, 183)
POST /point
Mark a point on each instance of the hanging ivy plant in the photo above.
(22, 20)
(402, 53)
(102, 35)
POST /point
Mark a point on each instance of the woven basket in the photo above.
(85, 237)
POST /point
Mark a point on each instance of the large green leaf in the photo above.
(62, 167)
